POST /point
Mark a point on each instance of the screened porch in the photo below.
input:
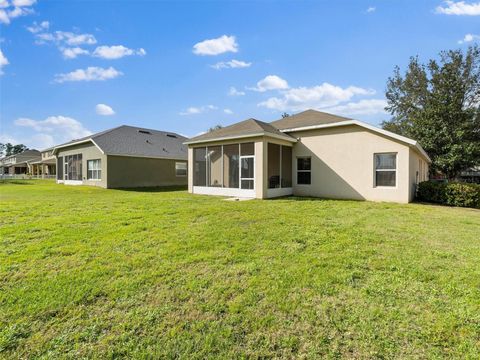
(258, 169)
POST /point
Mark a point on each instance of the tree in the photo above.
(9, 149)
(216, 127)
(285, 114)
(438, 105)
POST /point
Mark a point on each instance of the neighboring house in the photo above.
(123, 157)
(19, 164)
(46, 167)
(308, 154)
(471, 175)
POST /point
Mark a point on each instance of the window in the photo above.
(247, 164)
(304, 171)
(231, 163)
(273, 166)
(286, 167)
(73, 167)
(214, 157)
(279, 166)
(60, 168)
(200, 166)
(181, 169)
(94, 169)
(229, 166)
(145, 132)
(385, 169)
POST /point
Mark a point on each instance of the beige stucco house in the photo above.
(308, 154)
(46, 167)
(19, 164)
(123, 157)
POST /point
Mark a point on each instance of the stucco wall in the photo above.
(417, 164)
(343, 164)
(89, 152)
(125, 172)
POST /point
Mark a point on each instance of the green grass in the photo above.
(94, 273)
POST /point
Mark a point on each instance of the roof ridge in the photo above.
(100, 133)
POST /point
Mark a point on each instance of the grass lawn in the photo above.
(88, 272)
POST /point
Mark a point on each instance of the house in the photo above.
(123, 157)
(19, 164)
(471, 175)
(308, 154)
(46, 167)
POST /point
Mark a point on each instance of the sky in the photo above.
(71, 68)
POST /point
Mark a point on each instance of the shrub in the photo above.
(454, 194)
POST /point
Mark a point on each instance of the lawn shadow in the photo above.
(16, 182)
(155, 189)
(433, 204)
(310, 198)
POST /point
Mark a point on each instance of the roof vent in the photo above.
(172, 136)
(144, 132)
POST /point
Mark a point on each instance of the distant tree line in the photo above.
(9, 149)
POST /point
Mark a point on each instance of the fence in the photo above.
(26, 177)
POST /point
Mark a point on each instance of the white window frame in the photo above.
(375, 170)
(176, 169)
(98, 169)
(240, 171)
(303, 171)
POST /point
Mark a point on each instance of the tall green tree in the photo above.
(216, 127)
(9, 149)
(438, 104)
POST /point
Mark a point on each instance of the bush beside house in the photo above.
(453, 194)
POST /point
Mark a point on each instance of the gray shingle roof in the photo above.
(135, 141)
(244, 128)
(307, 118)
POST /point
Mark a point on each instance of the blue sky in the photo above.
(74, 67)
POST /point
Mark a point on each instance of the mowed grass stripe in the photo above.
(95, 273)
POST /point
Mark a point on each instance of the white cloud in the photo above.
(91, 73)
(228, 111)
(231, 64)
(72, 53)
(198, 110)
(44, 38)
(371, 9)
(69, 43)
(317, 97)
(62, 38)
(75, 39)
(116, 52)
(104, 110)
(469, 38)
(53, 130)
(216, 46)
(459, 8)
(3, 61)
(9, 13)
(362, 107)
(20, 3)
(5, 138)
(4, 19)
(234, 92)
(15, 8)
(270, 82)
(36, 28)
(43, 141)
